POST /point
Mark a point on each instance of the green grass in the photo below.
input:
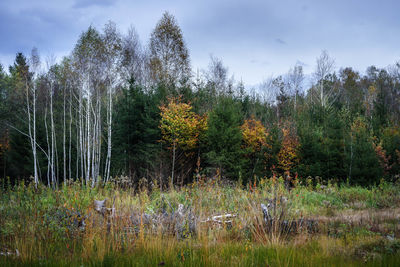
(218, 255)
(29, 223)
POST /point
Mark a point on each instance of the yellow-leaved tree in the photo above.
(257, 141)
(255, 136)
(180, 127)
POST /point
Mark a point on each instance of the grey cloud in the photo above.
(88, 3)
(248, 35)
(280, 41)
(51, 31)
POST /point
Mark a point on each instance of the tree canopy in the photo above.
(116, 107)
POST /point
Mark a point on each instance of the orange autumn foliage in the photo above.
(288, 155)
(384, 159)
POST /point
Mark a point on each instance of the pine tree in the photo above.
(224, 138)
(136, 132)
(366, 169)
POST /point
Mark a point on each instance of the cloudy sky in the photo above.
(255, 39)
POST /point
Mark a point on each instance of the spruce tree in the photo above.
(224, 138)
(365, 168)
(136, 131)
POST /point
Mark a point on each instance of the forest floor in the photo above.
(207, 223)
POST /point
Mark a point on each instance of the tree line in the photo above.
(114, 107)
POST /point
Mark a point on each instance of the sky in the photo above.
(254, 39)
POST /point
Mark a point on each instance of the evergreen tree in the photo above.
(3, 116)
(383, 84)
(391, 144)
(224, 138)
(365, 168)
(4, 96)
(19, 157)
(333, 145)
(311, 152)
(322, 143)
(136, 131)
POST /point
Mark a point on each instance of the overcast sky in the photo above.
(255, 39)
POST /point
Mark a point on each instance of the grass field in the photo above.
(356, 226)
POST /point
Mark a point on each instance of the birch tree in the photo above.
(133, 59)
(88, 62)
(268, 90)
(112, 47)
(217, 77)
(169, 57)
(325, 66)
(294, 80)
(35, 64)
(51, 79)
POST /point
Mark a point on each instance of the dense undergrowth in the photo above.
(356, 225)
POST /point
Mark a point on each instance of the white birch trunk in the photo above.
(108, 159)
(70, 133)
(81, 136)
(36, 178)
(173, 162)
(64, 150)
(32, 138)
(48, 148)
(52, 131)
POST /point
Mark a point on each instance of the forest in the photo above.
(114, 107)
(136, 125)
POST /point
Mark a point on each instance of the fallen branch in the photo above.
(8, 253)
(219, 218)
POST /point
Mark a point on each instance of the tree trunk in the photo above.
(32, 138)
(53, 141)
(173, 162)
(109, 144)
(64, 151)
(36, 178)
(48, 148)
(70, 134)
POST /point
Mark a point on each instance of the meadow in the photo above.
(179, 226)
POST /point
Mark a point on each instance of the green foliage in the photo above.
(327, 147)
(3, 93)
(322, 145)
(312, 156)
(364, 165)
(333, 146)
(19, 160)
(391, 144)
(352, 95)
(135, 131)
(224, 138)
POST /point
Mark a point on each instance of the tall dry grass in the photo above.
(33, 221)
